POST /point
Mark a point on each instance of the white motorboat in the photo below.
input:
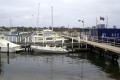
(47, 36)
(12, 46)
(48, 49)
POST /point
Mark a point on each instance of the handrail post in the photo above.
(107, 40)
(72, 40)
(92, 38)
(86, 38)
(78, 39)
(102, 39)
(114, 42)
(86, 41)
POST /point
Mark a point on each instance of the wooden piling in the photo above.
(8, 59)
(25, 47)
(72, 40)
(86, 41)
(7, 48)
(29, 48)
(0, 60)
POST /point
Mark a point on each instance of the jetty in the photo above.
(96, 44)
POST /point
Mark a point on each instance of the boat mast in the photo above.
(52, 17)
(38, 16)
(10, 23)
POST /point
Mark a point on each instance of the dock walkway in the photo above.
(100, 45)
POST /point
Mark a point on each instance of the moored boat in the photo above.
(48, 49)
(47, 36)
(12, 46)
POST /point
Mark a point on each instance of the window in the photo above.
(117, 34)
(112, 34)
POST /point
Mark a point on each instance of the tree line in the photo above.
(30, 29)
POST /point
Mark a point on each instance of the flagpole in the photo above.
(83, 26)
(107, 22)
(96, 21)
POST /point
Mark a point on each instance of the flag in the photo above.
(102, 18)
(83, 21)
(79, 20)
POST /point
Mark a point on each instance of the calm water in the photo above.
(77, 66)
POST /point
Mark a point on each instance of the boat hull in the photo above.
(44, 50)
(12, 46)
(11, 50)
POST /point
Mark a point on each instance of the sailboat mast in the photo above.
(10, 23)
(38, 16)
(52, 17)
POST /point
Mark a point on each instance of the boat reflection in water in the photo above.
(72, 66)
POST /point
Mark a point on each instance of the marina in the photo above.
(80, 58)
(59, 40)
(70, 42)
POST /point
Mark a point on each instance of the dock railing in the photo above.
(105, 40)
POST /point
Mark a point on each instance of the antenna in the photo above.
(52, 17)
(38, 16)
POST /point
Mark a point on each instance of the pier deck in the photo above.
(100, 45)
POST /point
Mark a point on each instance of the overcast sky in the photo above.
(24, 12)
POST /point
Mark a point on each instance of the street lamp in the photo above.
(83, 26)
(80, 31)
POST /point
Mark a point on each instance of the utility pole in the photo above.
(83, 27)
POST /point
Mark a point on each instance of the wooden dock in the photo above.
(100, 45)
